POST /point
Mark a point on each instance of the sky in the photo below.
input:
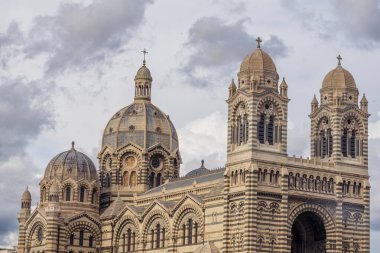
(67, 66)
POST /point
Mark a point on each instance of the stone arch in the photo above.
(184, 211)
(37, 222)
(354, 115)
(120, 225)
(320, 211)
(87, 225)
(271, 99)
(237, 103)
(150, 218)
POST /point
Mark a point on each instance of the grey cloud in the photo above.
(355, 21)
(23, 115)
(10, 43)
(79, 36)
(213, 44)
(359, 20)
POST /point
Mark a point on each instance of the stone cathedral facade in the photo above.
(261, 201)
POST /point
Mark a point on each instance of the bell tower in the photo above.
(339, 127)
(257, 107)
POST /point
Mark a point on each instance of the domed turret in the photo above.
(143, 82)
(339, 86)
(26, 195)
(258, 70)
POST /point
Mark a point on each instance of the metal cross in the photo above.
(144, 52)
(339, 59)
(258, 40)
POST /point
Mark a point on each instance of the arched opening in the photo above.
(308, 234)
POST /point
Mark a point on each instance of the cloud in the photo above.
(79, 36)
(356, 22)
(359, 20)
(23, 115)
(204, 138)
(215, 45)
(10, 43)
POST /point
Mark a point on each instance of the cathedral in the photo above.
(261, 200)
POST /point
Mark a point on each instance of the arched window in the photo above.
(323, 139)
(68, 193)
(40, 234)
(268, 129)
(240, 126)
(133, 179)
(108, 180)
(81, 235)
(126, 178)
(163, 237)
(195, 232)
(152, 239)
(183, 234)
(158, 179)
(151, 179)
(72, 239)
(158, 235)
(129, 240)
(82, 192)
(90, 241)
(94, 197)
(190, 239)
(350, 144)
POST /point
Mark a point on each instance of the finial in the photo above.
(27, 187)
(203, 163)
(144, 52)
(258, 40)
(72, 144)
(339, 60)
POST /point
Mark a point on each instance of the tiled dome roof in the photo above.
(26, 195)
(71, 164)
(143, 124)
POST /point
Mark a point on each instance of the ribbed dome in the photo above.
(143, 73)
(339, 78)
(71, 164)
(26, 195)
(258, 63)
(201, 170)
(140, 123)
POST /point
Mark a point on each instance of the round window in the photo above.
(156, 161)
(130, 162)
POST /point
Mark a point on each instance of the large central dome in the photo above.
(140, 123)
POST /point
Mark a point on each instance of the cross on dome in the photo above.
(144, 52)
(258, 40)
(72, 144)
(339, 60)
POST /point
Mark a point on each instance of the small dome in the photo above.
(201, 170)
(259, 63)
(71, 164)
(26, 195)
(143, 73)
(339, 78)
(54, 189)
(143, 124)
(209, 247)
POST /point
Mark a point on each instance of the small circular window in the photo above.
(130, 162)
(156, 161)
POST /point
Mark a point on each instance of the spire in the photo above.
(339, 60)
(258, 40)
(364, 104)
(314, 104)
(232, 88)
(143, 81)
(284, 88)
